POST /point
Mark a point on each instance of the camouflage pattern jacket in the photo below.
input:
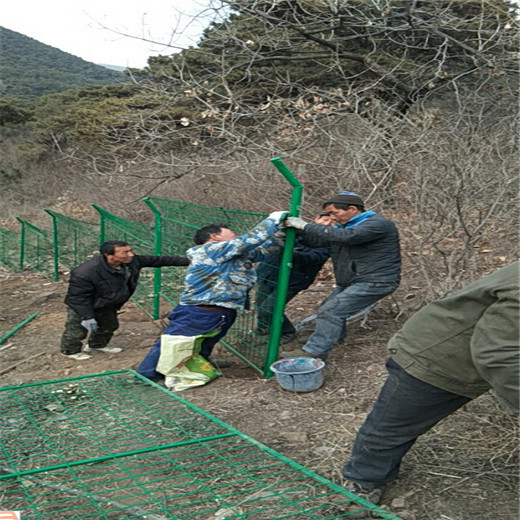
(222, 273)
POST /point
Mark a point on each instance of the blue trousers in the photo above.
(188, 320)
(405, 409)
(331, 320)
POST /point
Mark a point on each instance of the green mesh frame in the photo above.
(10, 249)
(36, 250)
(178, 221)
(114, 446)
(142, 239)
(75, 241)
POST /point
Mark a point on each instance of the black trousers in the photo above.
(74, 333)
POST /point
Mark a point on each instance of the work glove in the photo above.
(280, 235)
(295, 222)
(278, 216)
(91, 325)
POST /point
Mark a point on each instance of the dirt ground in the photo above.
(464, 469)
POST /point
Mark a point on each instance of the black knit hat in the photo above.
(346, 197)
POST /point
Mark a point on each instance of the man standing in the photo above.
(365, 252)
(445, 355)
(307, 263)
(97, 289)
(218, 281)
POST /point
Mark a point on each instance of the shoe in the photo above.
(80, 356)
(220, 362)
(358, 511)
(108, 350)
(287, 338)
(301, 353)
(261, 331)
(373, 495)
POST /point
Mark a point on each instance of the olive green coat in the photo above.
(468, 342)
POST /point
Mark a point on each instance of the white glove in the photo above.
(91, 325)
(295, 222)
(280, 235)
(278, 216)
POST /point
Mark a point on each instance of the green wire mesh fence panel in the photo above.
(75, 241)
(142, 239)
(179, 221)
(113, 446)
(10, 249)
(37, 248)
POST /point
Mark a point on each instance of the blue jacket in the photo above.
(222, 273)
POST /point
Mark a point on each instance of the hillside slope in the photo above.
(31, 68)
(466, 468)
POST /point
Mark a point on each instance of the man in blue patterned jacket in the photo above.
(217, 282)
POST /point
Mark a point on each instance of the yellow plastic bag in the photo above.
(181, 364)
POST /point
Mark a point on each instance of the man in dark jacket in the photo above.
(97, 289)
(445, 355)
(365, 252)
(307, 263)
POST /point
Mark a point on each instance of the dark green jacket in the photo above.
(468, 342)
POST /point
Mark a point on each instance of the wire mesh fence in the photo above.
(75, 241)
(115, 446)
(72, 241)
(142, 238)
(178, 221)
(10, 249)
(37, 250)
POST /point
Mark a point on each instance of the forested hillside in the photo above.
(414, 105)
(30, 68)
(411, 104)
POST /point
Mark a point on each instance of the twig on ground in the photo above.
(16, 365)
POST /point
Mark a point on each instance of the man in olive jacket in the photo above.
(448, 353)
(97, 289)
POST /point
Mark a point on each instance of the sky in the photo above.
(95, 29)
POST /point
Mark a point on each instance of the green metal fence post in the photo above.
(158, 251)
(22, 242)
(4, 338)
(285, 267)
(54, 243)
(101, 223)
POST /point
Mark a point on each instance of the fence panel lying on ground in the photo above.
(113, 446)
